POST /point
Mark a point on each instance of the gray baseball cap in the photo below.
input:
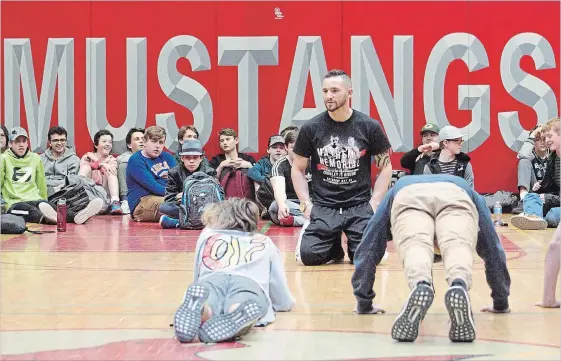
(450, 132)
(18, 132)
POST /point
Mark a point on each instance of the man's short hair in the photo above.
(338, 72)
(58, 130)
(552, 124)
(288, 129)
(228, 132)
(155, 133)
(128, 139)
(184, 129)
(291, 137)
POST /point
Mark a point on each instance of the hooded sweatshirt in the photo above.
(254, 256)
(22, 178)
(56, 170)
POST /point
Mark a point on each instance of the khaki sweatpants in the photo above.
(424, 212)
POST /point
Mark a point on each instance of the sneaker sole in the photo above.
(92, 209)
(406, 326)
(187, 320)
(525, 223)
(48, 212)
(462, 327)
(229, 326)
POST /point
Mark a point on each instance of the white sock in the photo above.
(523, 194)
(115, 199)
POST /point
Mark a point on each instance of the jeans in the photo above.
(533, 205)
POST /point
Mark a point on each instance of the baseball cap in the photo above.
(430, 127)
(276, 139)
(17, 132)
(450, 132)
(191, 147)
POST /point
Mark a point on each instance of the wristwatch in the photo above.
(304, 205)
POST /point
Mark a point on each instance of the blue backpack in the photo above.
(199, 190)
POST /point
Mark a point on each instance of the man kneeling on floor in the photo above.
(235, 289)
(418, 210)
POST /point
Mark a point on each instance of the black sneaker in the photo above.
(406, 326)
(232, 325)
(462, 325)
(187, 321)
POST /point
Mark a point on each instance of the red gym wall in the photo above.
(507, 50)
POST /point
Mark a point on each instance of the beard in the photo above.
(334, 106)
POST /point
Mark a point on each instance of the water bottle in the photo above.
(61, 215)
(498, 214)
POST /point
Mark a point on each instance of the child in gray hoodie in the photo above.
(239, 277)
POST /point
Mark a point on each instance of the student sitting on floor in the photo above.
(191, 156)
(235, 289)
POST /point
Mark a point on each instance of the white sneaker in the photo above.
(91, 210)
(48, 211)
(125, 207)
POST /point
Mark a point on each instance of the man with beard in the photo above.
(342, 194)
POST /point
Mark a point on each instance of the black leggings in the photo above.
(29, 210)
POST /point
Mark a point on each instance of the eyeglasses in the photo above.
(58, 141)
(459, 141)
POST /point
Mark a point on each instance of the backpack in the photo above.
(507, 200)
(199, 190)
(75, 195)
(14, 224)
(265, 193)
(236, 183)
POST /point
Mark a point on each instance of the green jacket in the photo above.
(22, 179)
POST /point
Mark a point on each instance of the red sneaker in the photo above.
(287, 222)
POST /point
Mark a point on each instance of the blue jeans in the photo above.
(170, 209)
(533, 205)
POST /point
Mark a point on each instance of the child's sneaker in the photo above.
(528, 222)
(187, 320)
(287, 222)
(406, 326)
(93, 208)
(232, 325)
(462, 326)
(49, 213)
(125, 207)
(167, 222)
(116, 208)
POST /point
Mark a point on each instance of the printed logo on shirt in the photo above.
(540, 170)
(161, 169)
(339, 161)
(22, 174)
(222, 251)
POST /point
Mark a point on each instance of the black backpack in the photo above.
(199, 190)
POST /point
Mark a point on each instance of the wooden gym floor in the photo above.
(107, 290)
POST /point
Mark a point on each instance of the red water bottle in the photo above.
(61, 215)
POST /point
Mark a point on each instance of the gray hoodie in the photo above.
(56, 170)
(254, 256)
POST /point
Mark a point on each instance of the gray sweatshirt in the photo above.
(253, 256)
(56, 170)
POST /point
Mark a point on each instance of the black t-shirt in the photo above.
(341, 155)
(283, 168)
(216, 160)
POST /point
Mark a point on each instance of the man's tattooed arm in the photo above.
(382, 159)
